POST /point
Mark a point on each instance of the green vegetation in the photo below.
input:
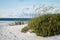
(25, 29)
(45, 25)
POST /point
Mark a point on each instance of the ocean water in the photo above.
(15, 19)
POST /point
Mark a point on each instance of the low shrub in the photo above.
(25, 29)
(45, 25)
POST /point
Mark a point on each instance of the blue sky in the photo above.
(15, 6)
(21, 3)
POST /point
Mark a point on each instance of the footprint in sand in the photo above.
(1, 34)
(14, 39)
(22, 39)
(14, 35)
(9, 38)
(5, 35)
(10, 32)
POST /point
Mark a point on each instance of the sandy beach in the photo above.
(14, 33)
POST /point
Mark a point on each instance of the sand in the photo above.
(14, 33)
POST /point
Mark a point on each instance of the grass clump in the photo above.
(45, 25)
(25, 29)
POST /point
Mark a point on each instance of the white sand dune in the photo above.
(14, 33)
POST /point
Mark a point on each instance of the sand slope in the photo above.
(14, 33)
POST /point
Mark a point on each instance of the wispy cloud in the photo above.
(24, 8)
